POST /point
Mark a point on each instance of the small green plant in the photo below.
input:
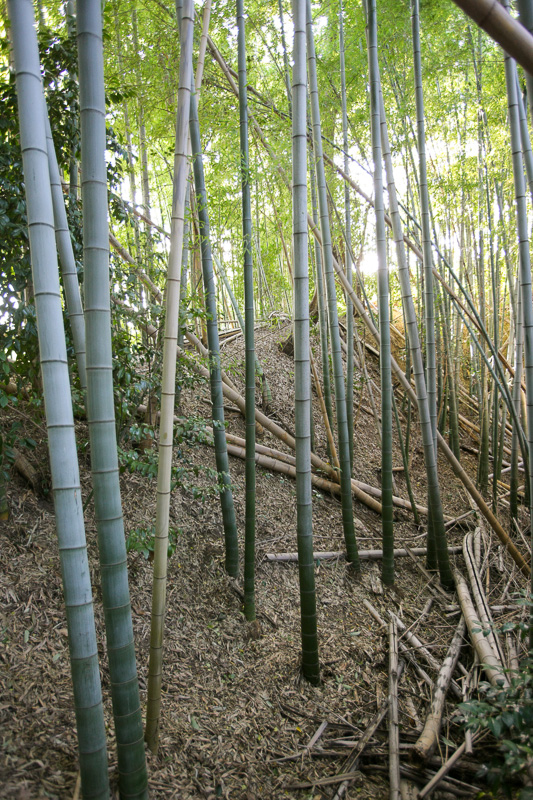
(507, 712)
(142, 540)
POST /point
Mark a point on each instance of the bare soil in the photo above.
(238, 720)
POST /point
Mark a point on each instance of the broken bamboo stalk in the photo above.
(444, 770)
(402, 646)
(428, 738)
(421, 648)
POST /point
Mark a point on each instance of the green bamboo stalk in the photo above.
(168, 381)
(66, 258)
(340, 396)
(100, 408)
(287, 73)
(387, 568)
(525, 274)
(524, 136)
(58, 408)
(302, 381)
(431, 367)
(348, 233)
(322, 311)
(430, 456)
(221, 453)
(250, 357)
(517, 390)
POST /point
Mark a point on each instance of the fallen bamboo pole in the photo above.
(357, 486)
(364, 555)
(288, 469)
(489, 661)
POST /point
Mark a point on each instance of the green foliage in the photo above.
(201, 481)
(141, 540)
(507, 713)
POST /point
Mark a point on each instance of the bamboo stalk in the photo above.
(166, 420)
(503, 28)
(490, 662)
(394, 731)
(421, 648)
(366, 555)
(402, 646)
(75, 571)
(480, 600)
(429, 736)
(323, 409)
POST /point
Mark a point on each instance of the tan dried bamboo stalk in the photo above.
(443, 771)
(364, 555)
(480, 600)
(372, 491)
(394, 731)
(490, 662)
(288, 469)
(428, 738)
(168, 383)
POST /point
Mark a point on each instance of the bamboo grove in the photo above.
(382, 155)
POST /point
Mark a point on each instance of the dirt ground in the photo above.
(238, 720)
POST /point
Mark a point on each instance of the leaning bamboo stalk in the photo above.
(428, 738)
(289, 469)
(357, 486)
(168, 381)
(323, 409)
(394, 730)
(490, 662)
(58, 409)
(365, 555)
(493, 521)
(443, 771)
(66, 258)
(503, 28)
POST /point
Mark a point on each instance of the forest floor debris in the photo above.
(238, 721)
